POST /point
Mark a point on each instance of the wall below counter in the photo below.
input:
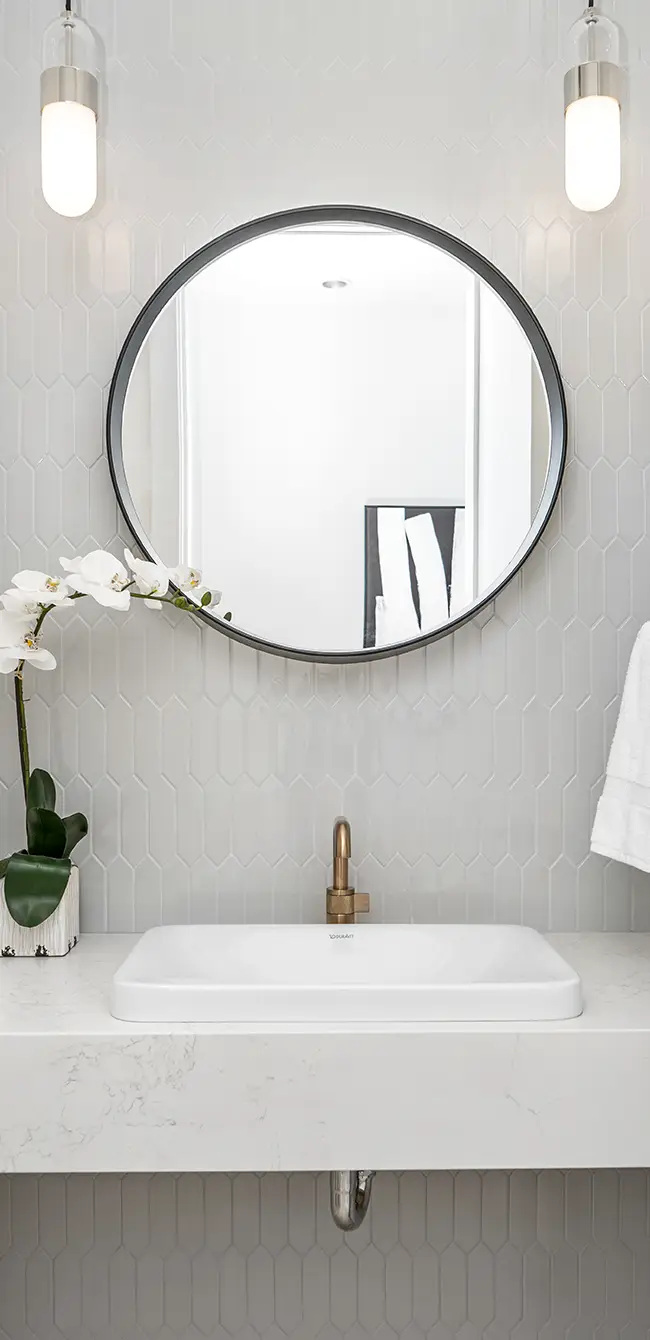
(501, 1255)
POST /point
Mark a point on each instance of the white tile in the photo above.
(306, 105)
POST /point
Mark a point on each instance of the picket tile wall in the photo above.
(212, 774)
(525, 1256)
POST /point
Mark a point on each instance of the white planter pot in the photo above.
(53, 938)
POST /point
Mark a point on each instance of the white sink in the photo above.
(339, 974)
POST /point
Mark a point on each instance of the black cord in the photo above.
(68, 6)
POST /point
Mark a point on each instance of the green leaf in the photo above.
(41, 792)
(206, 599)
(34, 887)
(3, 866)
(46, 834)
(76, 827)
(228, 616)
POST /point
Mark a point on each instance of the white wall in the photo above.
(211, 774)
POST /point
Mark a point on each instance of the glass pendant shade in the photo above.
(69, 99)
(592, 90)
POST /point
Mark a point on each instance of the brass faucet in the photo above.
(343, 903)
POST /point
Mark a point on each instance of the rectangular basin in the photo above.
(344, 974)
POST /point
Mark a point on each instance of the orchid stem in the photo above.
(21, 718)
(21, 715)
(142, 595)
(39, 622)
(162, 600)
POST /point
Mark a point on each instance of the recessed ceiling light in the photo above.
(336, 283)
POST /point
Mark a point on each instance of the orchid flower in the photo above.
(101, 576)
(19, 642)
(153, 580)
(190, 582)
(150, 578)
(31, 591)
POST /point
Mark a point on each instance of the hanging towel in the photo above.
(622, 823)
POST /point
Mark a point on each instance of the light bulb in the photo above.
(593, 152)
(69, 97)
(592, 103)
(69, 157)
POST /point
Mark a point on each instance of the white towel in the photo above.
(622, 824)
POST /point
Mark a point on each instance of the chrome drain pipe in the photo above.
(350, 1198)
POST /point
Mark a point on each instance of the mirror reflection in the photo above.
(355, 426)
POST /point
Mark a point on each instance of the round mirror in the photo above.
(349, 420)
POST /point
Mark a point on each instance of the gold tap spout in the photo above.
(343, 903)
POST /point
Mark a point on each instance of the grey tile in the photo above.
(122, 1290)
(315, 1289)
(453, 1286)
(39, 1293)
(288, 1290)
(12, 1283)
(516, 1254)
(205, 1292)
(233, 1304)
(343, 1289)
(260, 1289)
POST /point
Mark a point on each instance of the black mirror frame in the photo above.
(379, 218)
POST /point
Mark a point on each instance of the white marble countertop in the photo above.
(82, 1091)
(69, 996)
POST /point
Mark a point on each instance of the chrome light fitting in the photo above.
(69, 108)
(592, 103)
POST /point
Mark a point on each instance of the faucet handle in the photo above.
(346, 903)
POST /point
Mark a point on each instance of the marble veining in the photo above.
(85, 1092)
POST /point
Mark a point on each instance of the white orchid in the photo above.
(186, 579)
(150, 578)
(18, 642)
(190, 582)
(154, 580)
(31, 591)
(101, 576)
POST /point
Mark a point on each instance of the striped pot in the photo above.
(53, 938)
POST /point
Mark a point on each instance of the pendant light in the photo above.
(69, 104)
(592, 101)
